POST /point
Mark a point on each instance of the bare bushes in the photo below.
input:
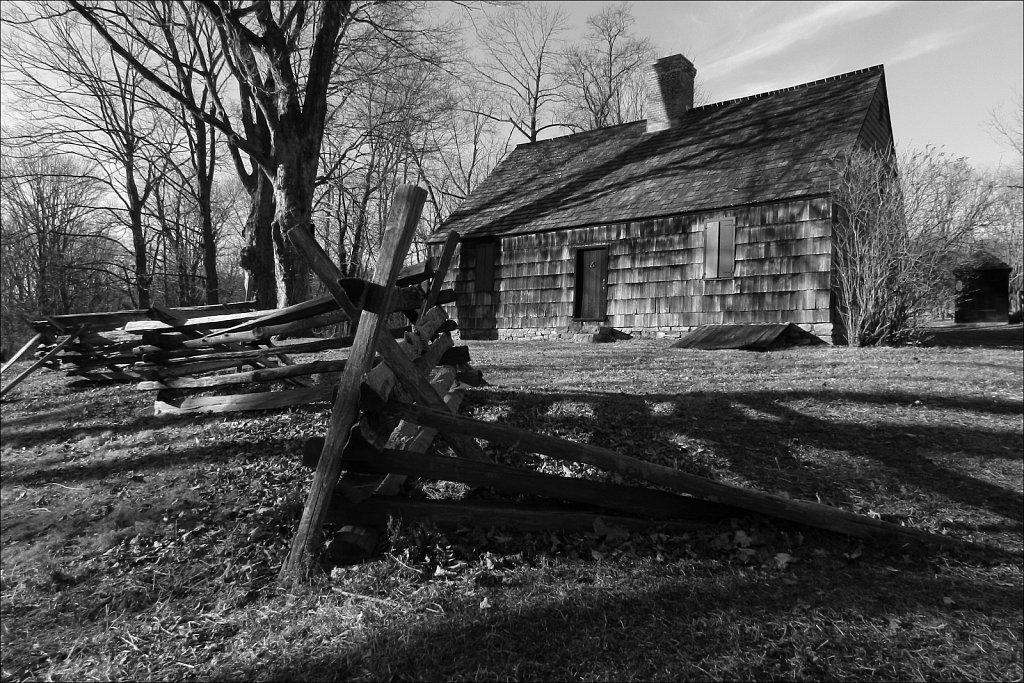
(901, 224)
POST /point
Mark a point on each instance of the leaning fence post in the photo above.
(24, 351)
(42, 361)
(401, 225)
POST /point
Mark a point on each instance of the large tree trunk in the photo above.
(293, 198)
(212, 290)
(142, 278)
(292, 271)
(355, 264)
(257, 256)
(278, 275)
(136, 205)
(44, 274)
(206, 158)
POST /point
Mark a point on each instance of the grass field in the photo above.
(144, 548)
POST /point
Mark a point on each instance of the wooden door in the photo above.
(591, 283)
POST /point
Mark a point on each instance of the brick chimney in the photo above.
(669, 91)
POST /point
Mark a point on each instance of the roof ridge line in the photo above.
(582, 132)
(747, 98)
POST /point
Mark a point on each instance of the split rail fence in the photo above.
(180, 361)
(185, 354)
(94, 348)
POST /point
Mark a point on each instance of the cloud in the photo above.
(807, 26)
(922, 45)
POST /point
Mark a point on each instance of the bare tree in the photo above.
(281, 56)
(179, 249)
(194, 62)
(1007, 127)
(56, 256)
(77, 94)
(521, 44)
(378, 114)
(230, 207)
(454, 154)
(394, 86)
(604, 74)
(896, 238)
(1005, 237)
(415, 101)
(300, 69)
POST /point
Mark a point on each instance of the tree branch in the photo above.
(151, 77)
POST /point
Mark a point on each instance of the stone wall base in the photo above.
(593, 332)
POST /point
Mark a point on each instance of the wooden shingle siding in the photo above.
(656, 274)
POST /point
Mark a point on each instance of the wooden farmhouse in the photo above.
(699, 215)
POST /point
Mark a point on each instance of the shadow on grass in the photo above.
(868, 622)
(125, 454)
(66, 411)
(47, 426)
(759, 436)
(147, 459)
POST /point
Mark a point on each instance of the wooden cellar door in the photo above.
(591, 283)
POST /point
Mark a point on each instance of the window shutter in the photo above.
(726, 247)
(711, 247)
(484, 272)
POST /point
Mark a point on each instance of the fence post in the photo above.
(401, 225)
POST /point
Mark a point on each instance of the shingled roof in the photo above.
(766, 147)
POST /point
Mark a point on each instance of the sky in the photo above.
(948, 65)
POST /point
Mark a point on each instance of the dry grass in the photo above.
(135, 548)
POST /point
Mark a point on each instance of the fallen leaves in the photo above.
(783, 560)
(163, 569)
(610, 532)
